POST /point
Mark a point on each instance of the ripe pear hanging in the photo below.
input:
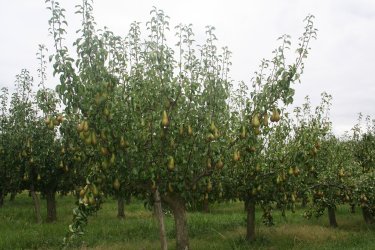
(165, 120)
(255, 121)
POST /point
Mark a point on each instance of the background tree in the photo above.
(271, 86)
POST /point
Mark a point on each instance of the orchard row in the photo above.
(166, 124)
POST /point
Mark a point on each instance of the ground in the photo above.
(223, 228)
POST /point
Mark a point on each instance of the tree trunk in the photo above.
(36, 204)
(12, 196)
(178, 208)
(1, 198)
(160, 217)
(120, 208)
(304, 202)
(332, 217)
(367, 216)
(352, 208)
(51, 206)
(206, 206)
(250, 230)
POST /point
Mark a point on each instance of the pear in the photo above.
(104, 150)
(106, 111)
(181, 130)
(60, 118)
(170, 163)
(341, 172)
(85, 200)
(256, 131)
(291, 171)
(209, 186)
(51, 125)
(296, 171)
(116, 184)
(265, 119)
(257, 168)
(255, 121)
(279, 179)
(80, 127)
(123, 142)
(190, 130)
(243, 132)
(93, 138)
(172, 143)
(82, 193)
(293, 197)
(236, 155)
(113, 159)
(85, 126)
(212, 127)
(47, 120)
(209, 165)
(88, 140)
(55, 121)
(210, 137)
(216, 133)
(219, 164)
(275, 117)
(170, 188)
(94, 189)
(165, 120)
(105, 164)
(81, 136)
(92, 200)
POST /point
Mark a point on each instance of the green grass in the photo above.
(223, 228)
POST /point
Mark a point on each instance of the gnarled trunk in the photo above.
(158, 210)
(332, 217)
(35, 197)
(250, 222)
(177, 205)
(51, 206)
(120, 208)
(367, 216)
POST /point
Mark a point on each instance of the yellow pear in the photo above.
(265, 119)
(209, 186)
(85, 126)
(190, 130)
(209, 165)
(170, 163)
(113, 159)
(93, 138)
(236, 155)
(219, 164)
(116, 184)
(165, 120)
(275, 117)
(170, 188)
(243, 132)
(255, 121)
(213, 127)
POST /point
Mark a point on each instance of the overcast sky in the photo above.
(342, 60)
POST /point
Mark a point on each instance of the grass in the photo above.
(223, 228)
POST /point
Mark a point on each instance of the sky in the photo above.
(341, 61)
